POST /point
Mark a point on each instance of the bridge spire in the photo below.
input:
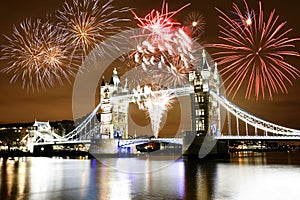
(205, 72)
(216, 73)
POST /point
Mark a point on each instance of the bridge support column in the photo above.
(204, 147)
(237, 126)
(104, 146)
(42, 150)
(30, 147)
(229, 122)
(222, 149)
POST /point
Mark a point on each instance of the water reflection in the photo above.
(13, 178)
(259, 176)
(200, 178)
(166, 182)
(266, 158)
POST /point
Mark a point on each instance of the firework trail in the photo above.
(37, 54)
(136, 77)
(155, 103)
(164, 78)
(87, 23)
(174, 78)
(254, 51)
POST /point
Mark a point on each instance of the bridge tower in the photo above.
(39, 131)
(205, 110)
(106, 128)
(113, 115)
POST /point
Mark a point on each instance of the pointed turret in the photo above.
(205, 72)
(216, 74)
(114, 81)
(115, 77)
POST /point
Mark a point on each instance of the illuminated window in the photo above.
(200, 124)
(199, 99)
(202, 111)
(199, 112)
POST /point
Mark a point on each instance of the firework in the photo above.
(196, 23)
(155, 103)
(87, 23)
(142, 68)
(255, 50)
(244, 20)
(166, 77)
(159, 24)
(135, 77)
(163, 40)
(167, 69)
(176, 75)
(36, 54)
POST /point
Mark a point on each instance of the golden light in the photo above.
(194, 23)
(248, 21)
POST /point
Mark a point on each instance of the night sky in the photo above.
(19, 105)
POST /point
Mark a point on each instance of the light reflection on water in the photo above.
(261, 176)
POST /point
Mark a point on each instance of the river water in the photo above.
(244, 176)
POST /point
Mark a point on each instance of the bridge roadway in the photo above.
(226, 137)
(133, 142)
(236, 137)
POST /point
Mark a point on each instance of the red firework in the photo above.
(161, 40)
(253, 53)
(159, 24)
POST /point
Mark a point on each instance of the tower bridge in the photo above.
(207, 105)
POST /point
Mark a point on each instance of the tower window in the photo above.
(199, 112)
(200, 124)
(199, 99)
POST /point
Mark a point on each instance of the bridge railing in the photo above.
(253, 120)
(75, 134)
